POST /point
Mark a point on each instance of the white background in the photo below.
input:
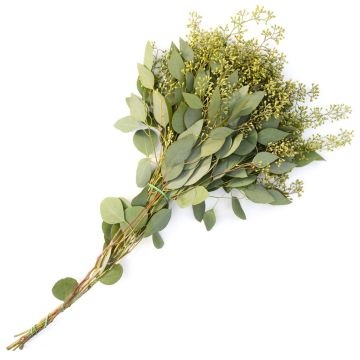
(282, 285)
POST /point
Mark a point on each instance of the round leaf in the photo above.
(145, 141)
(209, 219)
(157, 222)
(112, 210)
(113, 275)
(136, 217)
(64, 287)
(193, 101)
(157, 240)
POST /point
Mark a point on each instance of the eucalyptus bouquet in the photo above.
(213, 112)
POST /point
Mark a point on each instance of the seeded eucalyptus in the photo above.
(214, 112)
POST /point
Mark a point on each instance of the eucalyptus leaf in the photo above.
(263, 159)
(189, 80)
(161, 112)
(271, 135)
(224, 149)
(258, 194)
(247, 144)
(237, 183)
(247, 105)
(199, 211)
(201, 82)
(137, 108)
(220, 133)
(192, 100)
(112, 276)
(112, 210)
(280, 199)
(148, 56)
(200, 171)
(186, 51)
(64, 287)
(308, 158)
(181, 180)
(176, 65)
(178, 118)
(141, 199)
(157, 222)
(170, 172)
(238, 210)
(209, 219)
(234, 146)
(240, 173)
(179, 150)
(272, 122)
(143, 172)
(136, 217)
(281, 168)
(145, 141)
(194, 130)
(106, 228)
(146, 76)
(211, 146)
(214, 105)
(127, 124)
(157, 240)
(193, 196)
(191, 116)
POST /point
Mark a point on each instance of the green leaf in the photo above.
(181, 180)
(247, 105)
(209, 219)
(137, 108)
(201, 170)
(248, 144)
(112, 210)
(112, 276)
(238, 210)
(186, 51)
(145, 141)
(220, 133)
(170, 172)
(176, 65)
(174, 98)
(271, 135)
(211, 146)
(141, 199)
(191, 116)
(189, 80)
(273, 122)
(263, 159)
(240, 173)
(143, 172)
(194, 130)
(136, 217)
(106, 228)
(280, 199)
(64, 287)
(282, 167)
(192, 100)
(157, 240)
(193, 196)
(161, 112)
(225, 148)
(157, 222)
(258, 194)
(127, 124)
(237, 183)
(178, 118)
(199, 211)
(214, 105)
(308, 158)
(146, 76)
(234, 146)
(179, 150)
(237, 96)
(148, 56)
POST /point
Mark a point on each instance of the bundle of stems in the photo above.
(214, 114)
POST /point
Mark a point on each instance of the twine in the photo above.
(159, 191)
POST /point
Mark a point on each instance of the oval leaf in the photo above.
(199, 211)
(238, 210)
(145, 141)
(271, 135)
(112, 210)
(263, 159)
(136, 217)
(157, 222)
(186, 51)
(176, 65)
(148, 56)
(143, 172)
(127, 124)
(161, 112)
(137, 108)
(157, 240)
(64, 287)
(113, 275)
(209, 219)
(146, 76)
(258, 194)
(193, 101)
